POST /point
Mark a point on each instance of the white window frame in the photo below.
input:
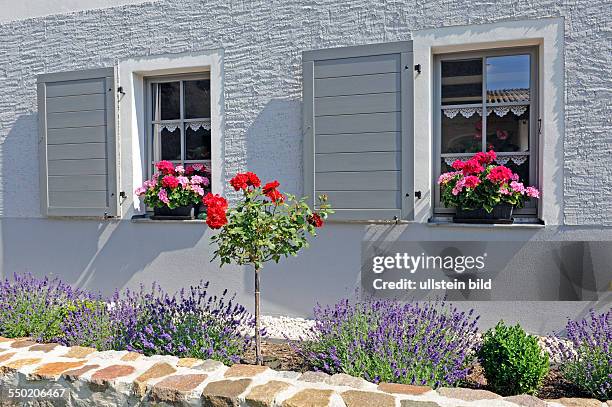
(153, 144)
(547, 34)
(534, 118)
(133, 121)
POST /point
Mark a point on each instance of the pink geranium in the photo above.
(447, 176)
(184, 181)
(517, 187)
(532, 192)
(163, 196)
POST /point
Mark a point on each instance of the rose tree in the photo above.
(175, 186)
(478, 183)
(265, 225)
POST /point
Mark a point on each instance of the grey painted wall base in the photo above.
(118, 254)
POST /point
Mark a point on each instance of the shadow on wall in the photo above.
(98, 255)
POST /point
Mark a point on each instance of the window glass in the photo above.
(197, 99)
(169, 100)
(170, 140)
(462, 82)
(508, 78)
(461, 134)
(197, 143)
(508, 129)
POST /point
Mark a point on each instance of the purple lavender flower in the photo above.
(383, 340)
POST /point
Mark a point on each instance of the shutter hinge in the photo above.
(417, 68)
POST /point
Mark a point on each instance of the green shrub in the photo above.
(512, 360)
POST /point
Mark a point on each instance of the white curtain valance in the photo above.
(500, 111)
(195, 125)
(518, 159)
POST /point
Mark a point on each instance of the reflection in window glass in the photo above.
(508, 78)
(462, 81)
(197, 99)
(509, 133)
(461, 135)
(168, 98)
(197, 144)
(170, 144)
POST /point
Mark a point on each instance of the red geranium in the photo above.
(315, 220)
(240, 181)
(165, 167)
(500, 174)
(471, 181)
(485, 158)
(253, 179)
(170, 181)
(472, 166)
(458, 165)
(272, 193)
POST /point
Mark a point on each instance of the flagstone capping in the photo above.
(110, 378)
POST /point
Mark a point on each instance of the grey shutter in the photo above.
(78, 163)
(357, 124)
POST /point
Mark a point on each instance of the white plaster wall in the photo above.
(21, 9)
(261, 42)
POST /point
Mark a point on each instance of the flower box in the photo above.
(492, 190)
(501, 213)
(178, 213)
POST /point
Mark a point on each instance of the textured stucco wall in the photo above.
(262, 41)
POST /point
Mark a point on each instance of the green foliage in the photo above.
(512, 360)
(260, 230)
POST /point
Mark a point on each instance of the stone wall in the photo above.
(54, 375)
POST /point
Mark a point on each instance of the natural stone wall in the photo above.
(54, 375)
(262, 42)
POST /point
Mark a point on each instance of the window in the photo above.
(484, 101)
(179, 119)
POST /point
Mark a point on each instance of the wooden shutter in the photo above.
(78, 163)
(357, 119)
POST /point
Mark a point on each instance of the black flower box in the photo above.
(178, 213)
(500, 214)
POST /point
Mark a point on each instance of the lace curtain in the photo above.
(500, 111)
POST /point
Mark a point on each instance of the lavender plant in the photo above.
(382, 340)
(188, 324)
(588, 361)
(37, 307)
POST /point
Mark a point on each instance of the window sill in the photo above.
(147, 219)
(520, 223)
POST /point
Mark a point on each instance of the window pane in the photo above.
(462, 81)
(461, 134)
(170, 143)
(168, 98)
(197, 143)
(508, 78)
(197, 99)
(510, 132)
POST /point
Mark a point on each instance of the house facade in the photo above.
(366, 101)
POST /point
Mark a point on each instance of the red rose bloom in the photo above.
(500, 174)
(165, 167)
(215, 201)
(170, 181)
(275, 196)
(215, 217)
(253, 180)
(240, 181)
(270, 186)
(472, 166)
(315, 220)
